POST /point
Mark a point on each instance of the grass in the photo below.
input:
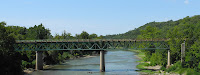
(142, 64)
(140, 53)
(186, 71)
(142, 68)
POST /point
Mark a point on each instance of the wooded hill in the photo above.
(163, 27)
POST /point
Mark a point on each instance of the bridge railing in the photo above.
(87, 40)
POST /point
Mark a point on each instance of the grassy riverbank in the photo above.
(175, 69)
(143, 66)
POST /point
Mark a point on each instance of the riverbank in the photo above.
(175, 69)
(30, 70)
(143, 66)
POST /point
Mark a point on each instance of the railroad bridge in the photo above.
(90, 44)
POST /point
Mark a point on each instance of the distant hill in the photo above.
(164, 27)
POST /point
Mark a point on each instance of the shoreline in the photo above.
(143, 69)
(30, 70)
(149, 70)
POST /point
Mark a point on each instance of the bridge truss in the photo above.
(91, 44)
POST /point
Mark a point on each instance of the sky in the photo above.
(103, 17)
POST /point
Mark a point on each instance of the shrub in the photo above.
(192, 72)
(177, 65)
(24, 64)
(163, 68)
(153, 60)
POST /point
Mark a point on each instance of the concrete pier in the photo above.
(168, 59)
(182, 52)
(102, 61)
(39, 61)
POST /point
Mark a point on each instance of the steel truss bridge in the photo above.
(91, 44)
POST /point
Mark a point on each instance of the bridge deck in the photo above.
(87, 40)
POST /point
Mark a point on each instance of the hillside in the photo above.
(164, 27)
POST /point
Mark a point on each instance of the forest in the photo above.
(184, 30)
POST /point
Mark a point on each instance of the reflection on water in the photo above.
(116, 63)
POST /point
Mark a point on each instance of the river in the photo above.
(116, 63)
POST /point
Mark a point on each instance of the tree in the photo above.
(149, 33)
(17, 32)
(66, 35)
(11, 61)
(84, 35)
(92, 36)
(38, 32)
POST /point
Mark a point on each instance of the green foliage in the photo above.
(60, 57)
(149, 33)
(192, 72)
(24, 64)
(153, 60)
(93, 36)
(64, 35)
(174, 67)
(17, 32)
(158, 58)
(10, 59)
(38, 32)
(141, 65)
(163, 68)
(65, 55)
(84, 35)
(33, 62)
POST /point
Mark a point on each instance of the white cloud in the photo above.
(186, 1)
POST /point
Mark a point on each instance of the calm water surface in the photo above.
(116, 63)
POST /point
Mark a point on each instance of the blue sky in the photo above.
(94, 16)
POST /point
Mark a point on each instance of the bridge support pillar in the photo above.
(168, 59)
(39, 61)
(102, 61)
(182, 53)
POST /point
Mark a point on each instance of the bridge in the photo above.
(89, 44)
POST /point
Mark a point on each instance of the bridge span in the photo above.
(90, 44)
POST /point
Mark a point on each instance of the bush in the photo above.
(163, 68)
(199, 66)
(24, 64)
(33, 63)
(176, 66)
(192, 72)
(153, 60)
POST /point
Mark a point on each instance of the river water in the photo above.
(116, 63)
